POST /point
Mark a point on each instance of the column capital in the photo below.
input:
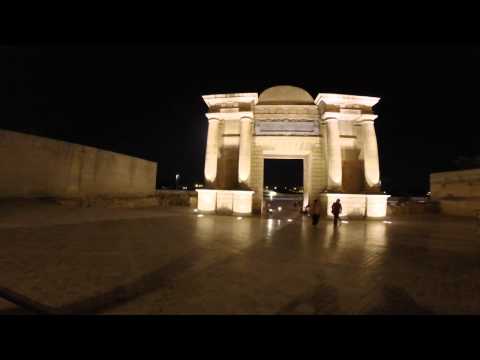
(329, 116)
(213, 119)
(365, 118)
(227, 116)
(247, 118)
(212, 116)
(329, 120)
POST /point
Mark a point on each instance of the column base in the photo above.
(227, 202)
(356, 206)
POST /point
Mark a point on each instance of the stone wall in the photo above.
(161, 198)
(33, 166)
(464, 183)
(413, 208)
(457, 192)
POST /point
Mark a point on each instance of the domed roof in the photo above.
(285, 95)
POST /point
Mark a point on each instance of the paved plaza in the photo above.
(170, 261)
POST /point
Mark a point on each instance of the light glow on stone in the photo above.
(195, 210)
(239, 218)
(387, 222)
(279, 208)
(289, 220)
(344, 222)
(200, 215)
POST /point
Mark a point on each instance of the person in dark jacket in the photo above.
(336, 211)
(315, 211)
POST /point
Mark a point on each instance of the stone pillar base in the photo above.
(228, 202)
(356, 206)
(207, 200)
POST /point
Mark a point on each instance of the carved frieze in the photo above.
(286, 127)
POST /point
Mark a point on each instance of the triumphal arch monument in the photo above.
(333, 134)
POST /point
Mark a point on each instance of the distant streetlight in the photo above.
(177, 177)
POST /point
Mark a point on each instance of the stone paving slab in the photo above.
(169, 261)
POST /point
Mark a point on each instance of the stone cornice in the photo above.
(238, 98)
(346, 100)
(330, 115)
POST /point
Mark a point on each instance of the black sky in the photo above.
(145, 100)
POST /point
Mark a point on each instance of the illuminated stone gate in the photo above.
(334, 135)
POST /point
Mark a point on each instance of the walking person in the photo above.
(336, 211)
(315, 210)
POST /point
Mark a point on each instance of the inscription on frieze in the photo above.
(296, 127)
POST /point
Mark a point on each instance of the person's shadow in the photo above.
(333, 241)
(397, 301)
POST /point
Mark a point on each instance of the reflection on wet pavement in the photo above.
(161, 262)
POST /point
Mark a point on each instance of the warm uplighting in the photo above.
(200, 215)
(271, 194)
(239, 218)
(195, 210)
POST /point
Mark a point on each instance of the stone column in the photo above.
(334, 154)
(245, 151)
(370, 155)
(211, 156)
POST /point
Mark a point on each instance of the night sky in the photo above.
(145, 100)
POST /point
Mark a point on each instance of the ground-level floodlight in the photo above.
(200, 215)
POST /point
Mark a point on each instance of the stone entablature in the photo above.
(230, 100)
(347, 101)
(334, 135)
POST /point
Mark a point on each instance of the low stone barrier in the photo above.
(460, 206)
(162, 198)
(413, 208)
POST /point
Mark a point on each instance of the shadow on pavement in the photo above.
(160, 278)
(398, 302)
